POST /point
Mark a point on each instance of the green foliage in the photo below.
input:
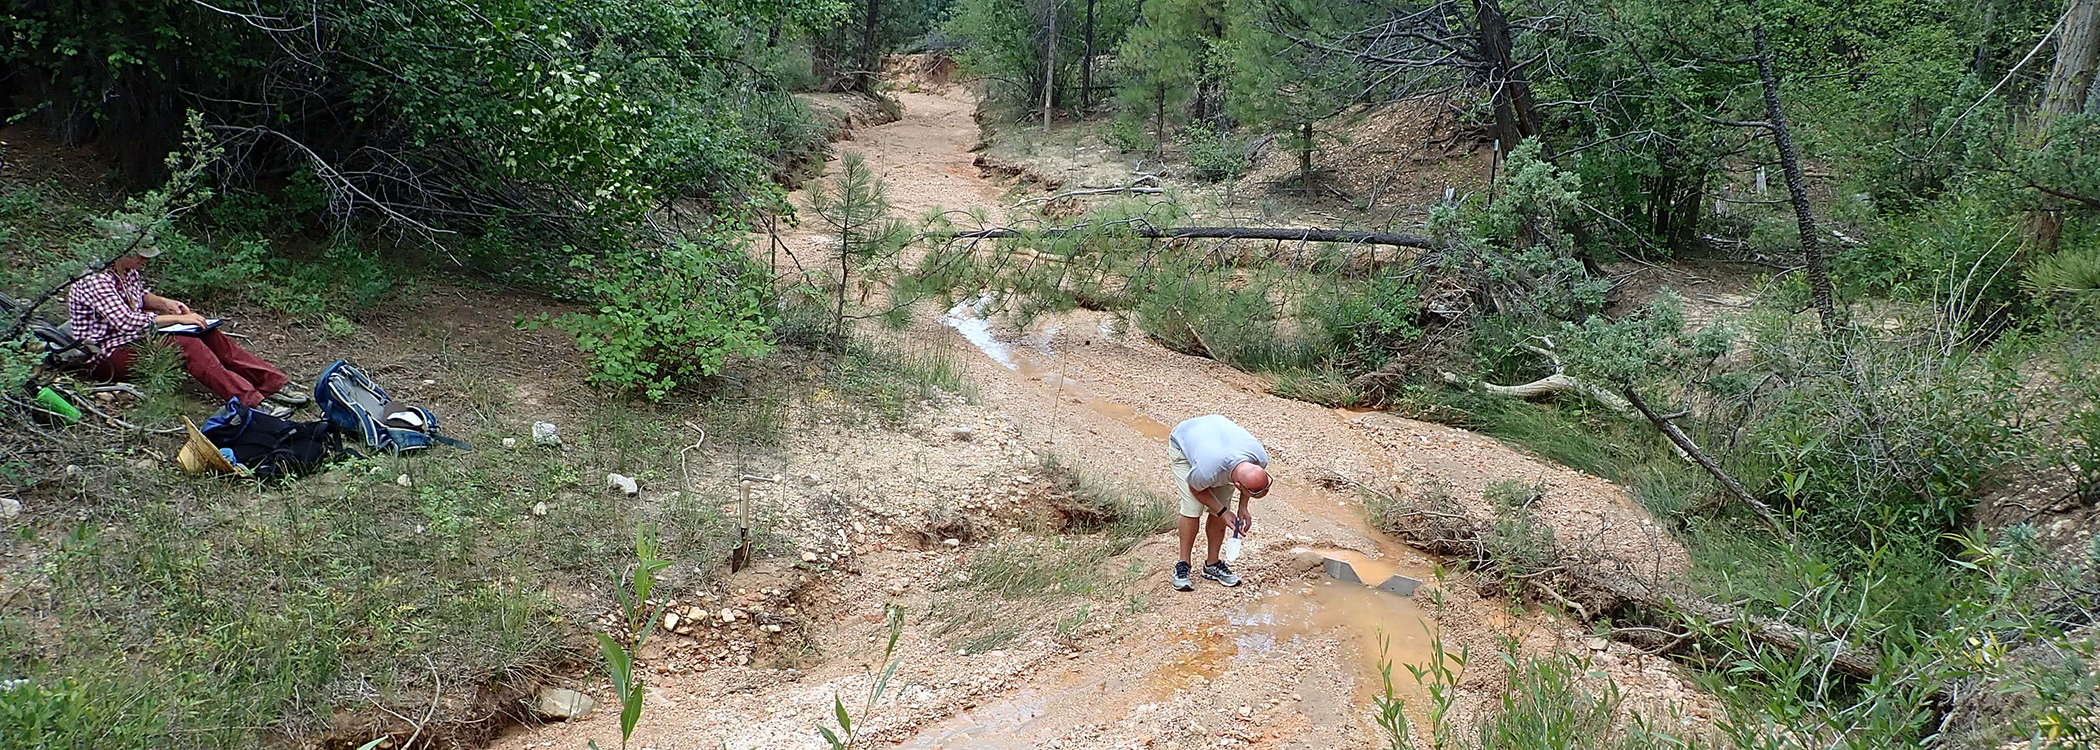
(1960, 253)
(851, 51)
(856, 206)
(1368, 323)
(669, 317)
(65, 715)
(1003, 45)
(2069, 272)
(846, 736)
(1213, 153)
(1282, 86)
(566, 118)
(1552, 703)
(1517, 251)
(633, 595)
(1636, 348)
(1171, 69)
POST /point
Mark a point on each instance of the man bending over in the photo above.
(1211, 457)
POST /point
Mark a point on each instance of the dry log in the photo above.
(1286, 234)
(1550, 385)
(1090, 191)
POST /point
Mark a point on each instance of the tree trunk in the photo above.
(1796, 185)
(1516, 117)
(1305, 154)
(1086, 66)
(2070, 80)
(1050, 64)
(870, 55)
(2077, 51)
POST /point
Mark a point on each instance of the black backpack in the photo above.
(271, 447)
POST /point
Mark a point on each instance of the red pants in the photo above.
(214, 360)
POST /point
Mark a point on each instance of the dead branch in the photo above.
(1550, 385)
(1291, 234)
(1691, 450)
(1090, 191)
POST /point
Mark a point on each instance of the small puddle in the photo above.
(964, 318)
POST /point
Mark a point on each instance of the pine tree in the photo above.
(857, 207)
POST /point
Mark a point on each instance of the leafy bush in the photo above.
(1367, 323)
(343, 278)
(1214, 154)
(667, 317)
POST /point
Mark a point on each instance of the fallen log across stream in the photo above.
(1285, 234)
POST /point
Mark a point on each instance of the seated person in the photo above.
(112, 308)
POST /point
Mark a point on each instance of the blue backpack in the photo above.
(357, 406)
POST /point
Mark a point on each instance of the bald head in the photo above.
(1251, 478)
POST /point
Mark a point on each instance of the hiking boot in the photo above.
(1218, 572)
(1181, 577)
(290, 396)
(274, 409)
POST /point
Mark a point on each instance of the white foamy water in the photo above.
(963, 317)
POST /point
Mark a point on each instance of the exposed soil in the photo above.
(1285, 661)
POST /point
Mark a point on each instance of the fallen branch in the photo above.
(1090, 191)
(1288, 234)
(1691, 450)
(1550, 385)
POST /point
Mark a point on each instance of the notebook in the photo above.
(185, 329)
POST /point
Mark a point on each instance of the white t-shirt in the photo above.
(1213, 446)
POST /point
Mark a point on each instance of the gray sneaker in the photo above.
(1218, 572)
(292, 396)
(274, 409)
(1181, 577)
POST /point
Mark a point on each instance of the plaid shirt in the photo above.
(107, 309)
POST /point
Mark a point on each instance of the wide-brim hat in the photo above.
(199, 455)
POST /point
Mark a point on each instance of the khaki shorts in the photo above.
(1190, 506)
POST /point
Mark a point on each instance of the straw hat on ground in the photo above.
(199, 455)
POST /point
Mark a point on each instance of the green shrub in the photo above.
(668, 317)
(1213, 154)
(1128, 134)
(2066, 272)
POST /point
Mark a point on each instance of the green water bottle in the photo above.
(57, 404)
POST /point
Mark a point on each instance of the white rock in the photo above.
(952, 542)
(563, 704)
(670, 621)
(728, 615)
(404, 481)
(626, 484)
(10, 507)
(962, 433)
(510, 442)
(539, 508)
(545, 433)
(809, 557)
